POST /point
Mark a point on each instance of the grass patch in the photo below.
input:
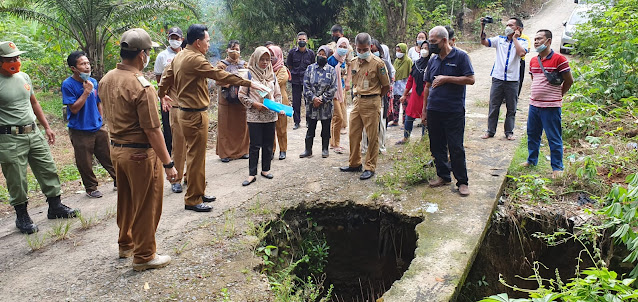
(410, 167)
(61, 230)
(35, 241)
(69, 173)
(520, 156)
(87, 221)
(51, 104)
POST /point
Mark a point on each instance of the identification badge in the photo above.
(366, 84)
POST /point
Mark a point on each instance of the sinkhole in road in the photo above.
(359, 250)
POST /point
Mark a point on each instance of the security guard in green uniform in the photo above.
(21, 142)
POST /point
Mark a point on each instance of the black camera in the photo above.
(487, 19)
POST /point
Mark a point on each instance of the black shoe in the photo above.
(325, 153)
(351, 169)
(58, 210)
(247, 183)
(245, 156)
(267, 175)
(295, 127)
(177, 188)
(225, 160)
(306, 153)
(366, 174)
(199, 208)
(23, 221)
(208, 198)
(282, 155)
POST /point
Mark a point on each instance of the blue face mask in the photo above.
(541, 48)
(363, 56)
(376, 53)
(342, 51)
(85, 76)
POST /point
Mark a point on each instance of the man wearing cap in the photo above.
(137, 150)
(188, 74)
(173, 136)
(22, 143)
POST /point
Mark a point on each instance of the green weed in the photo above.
(35, 241)
(87, 221)
(60, 230)
(229, 223)
(180, 249)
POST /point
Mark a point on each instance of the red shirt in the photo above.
(545, 94)
(415, 100)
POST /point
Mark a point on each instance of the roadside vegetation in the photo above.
(600, 127)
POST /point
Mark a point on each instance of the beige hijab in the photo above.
(263, 76)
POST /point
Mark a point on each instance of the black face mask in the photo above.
(302, 43)
(434, 48)
(335, 39)
(322, 61)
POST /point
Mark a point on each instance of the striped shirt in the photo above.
(543, 93)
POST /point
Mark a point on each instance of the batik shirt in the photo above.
(319, 82)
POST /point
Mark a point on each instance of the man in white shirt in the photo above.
(173, 136)
(505, 75)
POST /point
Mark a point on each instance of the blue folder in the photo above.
(277, 107)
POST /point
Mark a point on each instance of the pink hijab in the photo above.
(277, 53)
(342, 40)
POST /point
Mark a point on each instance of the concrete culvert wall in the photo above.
(369, 248)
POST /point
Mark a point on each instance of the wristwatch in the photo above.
(169, 165)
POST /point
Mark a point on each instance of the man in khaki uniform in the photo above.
(22, 143)
(188, 74)
(137, 150)
(370, 81)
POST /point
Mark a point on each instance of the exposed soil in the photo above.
(214, 251)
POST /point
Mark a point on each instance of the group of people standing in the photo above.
(429, 80)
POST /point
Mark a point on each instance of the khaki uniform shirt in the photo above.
(130, 104)
(188, 73)
(369, 76)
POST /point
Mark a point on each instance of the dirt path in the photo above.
(212, 251)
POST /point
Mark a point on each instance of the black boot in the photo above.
(308, 151)
(58, 210)
(23, 221)
(324, 147)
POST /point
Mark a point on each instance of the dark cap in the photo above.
(175, 31)
(136, 39)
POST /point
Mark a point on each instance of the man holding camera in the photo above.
(551, 79)
(505, 74)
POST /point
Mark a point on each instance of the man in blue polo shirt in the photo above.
(505, 75)
(448, 72)
(84, 112)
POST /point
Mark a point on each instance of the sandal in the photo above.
(510, 137)
(486, 136)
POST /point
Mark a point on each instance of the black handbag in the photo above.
(554, 77)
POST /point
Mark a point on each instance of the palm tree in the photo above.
(92, 23)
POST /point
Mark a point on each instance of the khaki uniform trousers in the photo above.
(19, 150)
(179, 144)
(365, 115)
(139, 200)
(195, 129)
(339, 120)
(281, 127)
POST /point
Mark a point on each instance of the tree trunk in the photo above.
(396, 12)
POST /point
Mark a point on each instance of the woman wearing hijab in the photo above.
(414, 89)
(402, 65)
(261, 120)
(339, 117)
(283, 76)
(232, 130)
(319, 88)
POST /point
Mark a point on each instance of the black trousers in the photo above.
(297, 89)
(446, 130)
(168, 135)
(262, 136)
(312, 127)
